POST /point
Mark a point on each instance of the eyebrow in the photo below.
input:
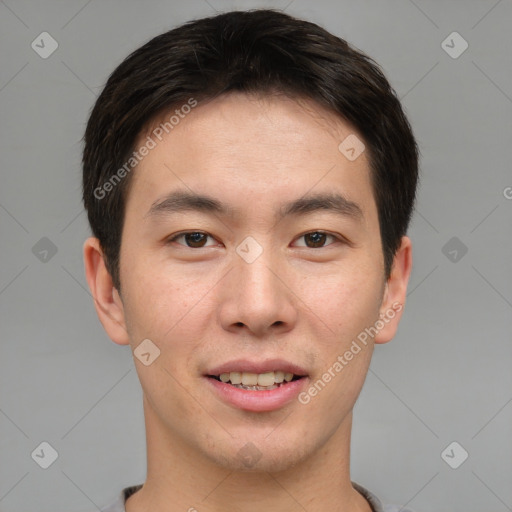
(180, 201)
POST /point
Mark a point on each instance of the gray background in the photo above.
(447, 375)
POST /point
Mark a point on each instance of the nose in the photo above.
(258, 297)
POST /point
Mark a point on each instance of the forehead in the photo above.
(242, 147)
(277, 118)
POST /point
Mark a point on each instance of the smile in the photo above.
(257, 391)
(256, 381)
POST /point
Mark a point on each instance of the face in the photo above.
(232, 266)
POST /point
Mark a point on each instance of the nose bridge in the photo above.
(257, 283)
(257, 297)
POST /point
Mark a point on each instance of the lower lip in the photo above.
(258, 401)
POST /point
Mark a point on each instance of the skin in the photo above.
(206, 306)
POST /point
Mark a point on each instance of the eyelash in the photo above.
(184, 233)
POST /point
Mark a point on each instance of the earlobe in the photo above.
(395, 293)
(107, 301)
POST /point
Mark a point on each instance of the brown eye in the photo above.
(193, 239)
(318, 240)
(315, 239)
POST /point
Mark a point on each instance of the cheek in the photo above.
(170, 307)
(157, 297)
(348, 307)
(347, 300)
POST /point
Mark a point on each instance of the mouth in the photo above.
(257, 381)
(257, 387)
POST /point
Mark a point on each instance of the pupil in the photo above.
(317, 239)
(195, 239)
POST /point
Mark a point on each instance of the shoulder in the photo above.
(119, 504)
(376, 503)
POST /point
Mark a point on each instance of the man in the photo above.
(249, 179)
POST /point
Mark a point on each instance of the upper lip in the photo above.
(245, 365)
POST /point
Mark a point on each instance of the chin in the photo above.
(260, 455)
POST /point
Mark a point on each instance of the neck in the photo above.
(178, 474)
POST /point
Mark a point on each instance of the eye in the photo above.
(198, 239)
(193, 239)
(316, 239)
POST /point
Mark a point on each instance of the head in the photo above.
(249, 124)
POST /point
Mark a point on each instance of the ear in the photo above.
(107, 300)
(395, 292)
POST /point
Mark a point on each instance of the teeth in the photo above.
(256, 388)
(249, 379)
(265, 380)
(235, 377)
